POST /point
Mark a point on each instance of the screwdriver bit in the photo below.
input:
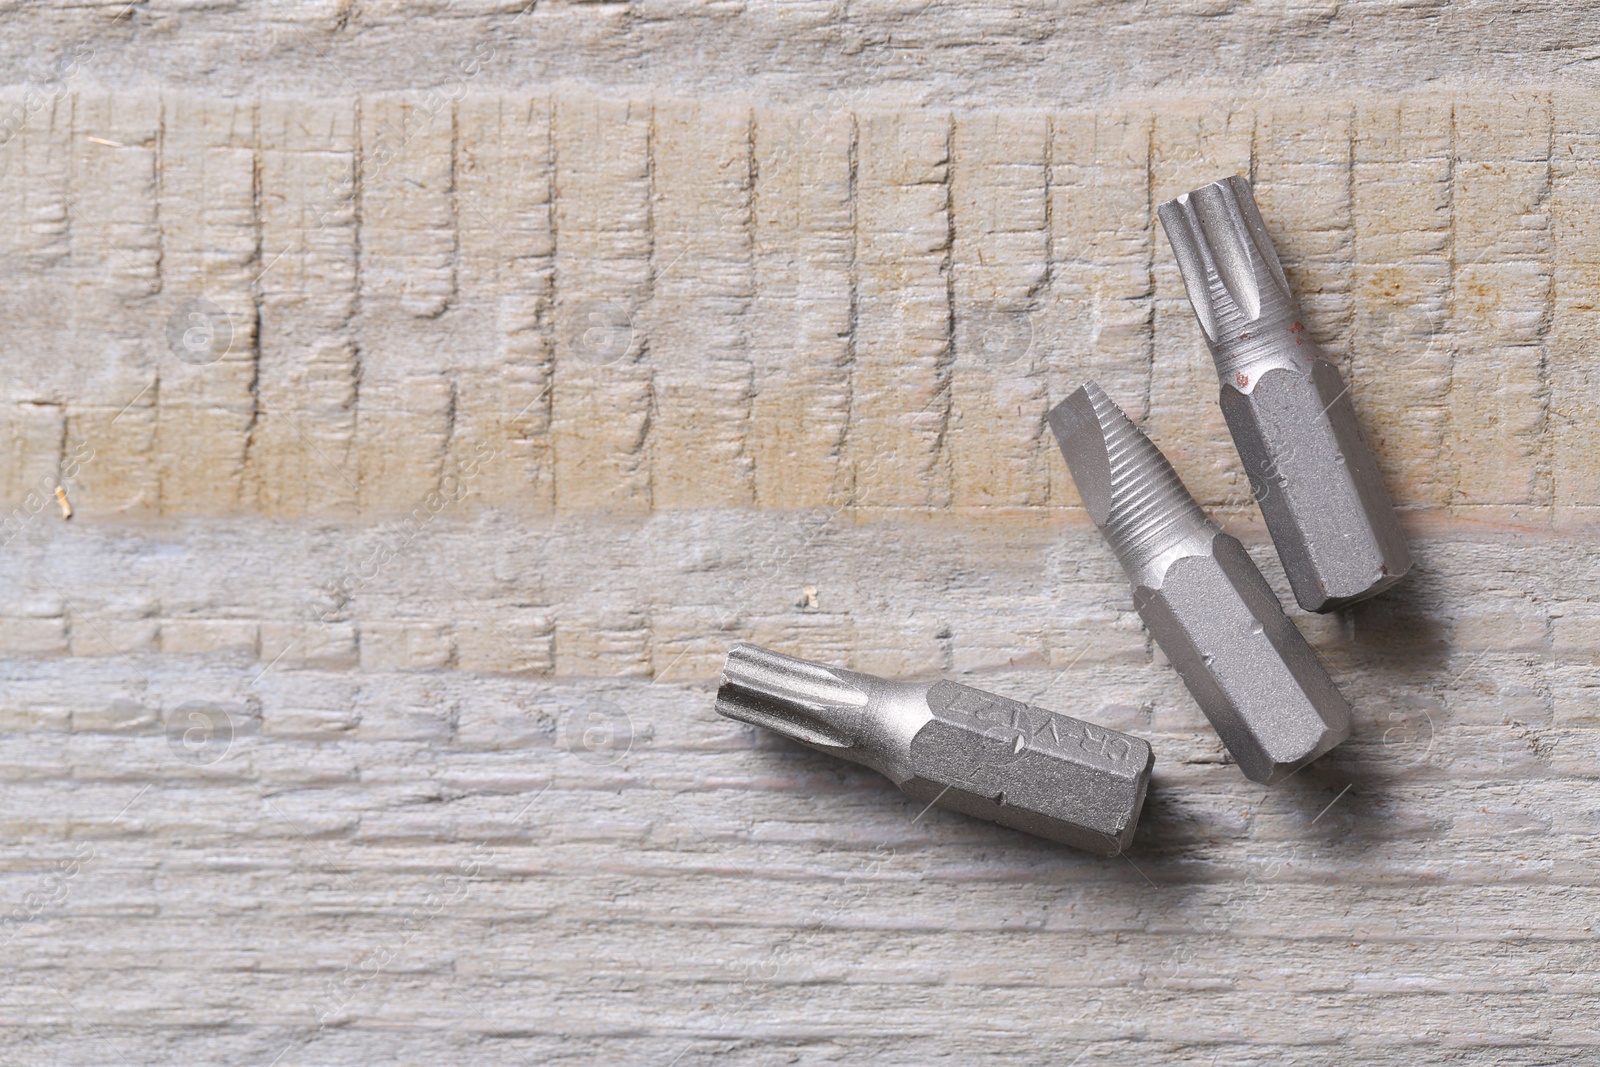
(1312, 473)
(1201, 596)
(954, 746)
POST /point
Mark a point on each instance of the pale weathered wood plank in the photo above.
(900, 412)
(304, 461)
(549, 394)
(602, 394)
(1574, 377)
(702, 285)
(209, 260)
(501, 449)
(999, 263)
(802, 322)
(1402, 188)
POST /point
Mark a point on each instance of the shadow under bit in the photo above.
(1392, 632)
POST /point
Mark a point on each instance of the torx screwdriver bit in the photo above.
(953, 746)
(1290, 414)
(1201, 596)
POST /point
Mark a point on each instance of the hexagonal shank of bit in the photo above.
(1291, 418)
(954, 746)
(1201, 596)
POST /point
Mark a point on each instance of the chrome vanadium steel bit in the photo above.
(1201, 596)
(1289, 412)
(953, 746)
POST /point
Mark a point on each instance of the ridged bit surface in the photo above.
(1235, 282)
(799, 699)
(1130, 489)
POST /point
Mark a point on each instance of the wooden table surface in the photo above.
(439, 389)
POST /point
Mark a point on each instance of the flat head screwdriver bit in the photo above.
(1289, 411)
(953, 746)
(1201, 596)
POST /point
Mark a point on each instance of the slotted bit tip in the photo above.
(1130, 490)
(1081, 436)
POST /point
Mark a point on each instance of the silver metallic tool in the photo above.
(953, 746)
(1290, 414)
(1201, 596)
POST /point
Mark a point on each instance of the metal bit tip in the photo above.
(1201, 597)
(1130, 490)
(953, 746)
(1229, 265)
(1287, 408)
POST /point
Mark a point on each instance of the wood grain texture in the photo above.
(362, 711)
